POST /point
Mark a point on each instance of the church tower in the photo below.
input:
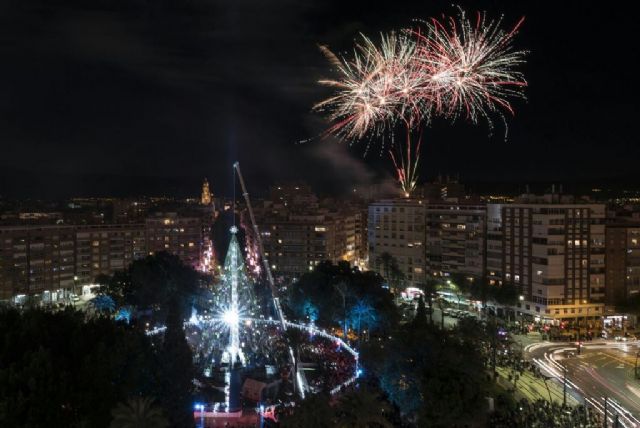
(205, 199)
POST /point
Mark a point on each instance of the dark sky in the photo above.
(149, 96)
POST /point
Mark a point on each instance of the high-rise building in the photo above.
(455, 238)
(105, 249)
(299, 231)
(35, 259)
(38, 259)
(552, 249)
(623, 262)
(442, 189)
(176, 234)
(396, 228)
(41, 259)
(130, 210)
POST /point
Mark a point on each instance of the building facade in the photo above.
(396, 228)
(623, 262)
(455, 238)
(553, 251)
(299, 230)
(105, 249)
(34, 259)
(176, 234)
(41, 259)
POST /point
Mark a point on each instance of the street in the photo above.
(602, 369)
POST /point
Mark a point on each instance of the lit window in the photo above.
(320, 229)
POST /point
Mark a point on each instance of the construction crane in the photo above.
(265, 261)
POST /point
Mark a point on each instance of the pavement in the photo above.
(534, 388)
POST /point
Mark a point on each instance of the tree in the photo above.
(430, 288)
(176, 361)
(506, 294)
(420, 319)
(436, 377)
(65, 369)
(312, 412)
(362, 408)
(151, 283)
(103, 304)
(334, 291)
(139, 412)
(362, 313)
(390, 269)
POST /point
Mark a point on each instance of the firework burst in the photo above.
(472, 67)
(449, 68)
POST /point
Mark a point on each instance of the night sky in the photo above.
(149, 96)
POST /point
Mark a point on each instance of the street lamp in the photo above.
(75, 281)
(515, 313)
(545, 379)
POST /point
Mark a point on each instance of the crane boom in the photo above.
(265, 261)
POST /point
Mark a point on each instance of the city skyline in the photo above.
(436, 222)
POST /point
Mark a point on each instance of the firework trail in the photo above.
(449, 68)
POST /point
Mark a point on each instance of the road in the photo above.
(602, 369)
(408, 312)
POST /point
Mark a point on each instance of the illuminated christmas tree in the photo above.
(236, 304)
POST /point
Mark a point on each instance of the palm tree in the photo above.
(103, 304)
(430, 287)
(385, 259)
(362, 408)
(363, 313)
(138, 412)
(390, 269)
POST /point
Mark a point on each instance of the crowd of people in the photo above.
(334, 364)
(542, 414)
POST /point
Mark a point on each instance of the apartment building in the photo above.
(105, 249)
(176, 234)
(397, 227)
(299, 230)
(552, 249)
(455, 238)
(36, 258)
(623, 262)
(41, 259)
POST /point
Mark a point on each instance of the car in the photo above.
(621, 339)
